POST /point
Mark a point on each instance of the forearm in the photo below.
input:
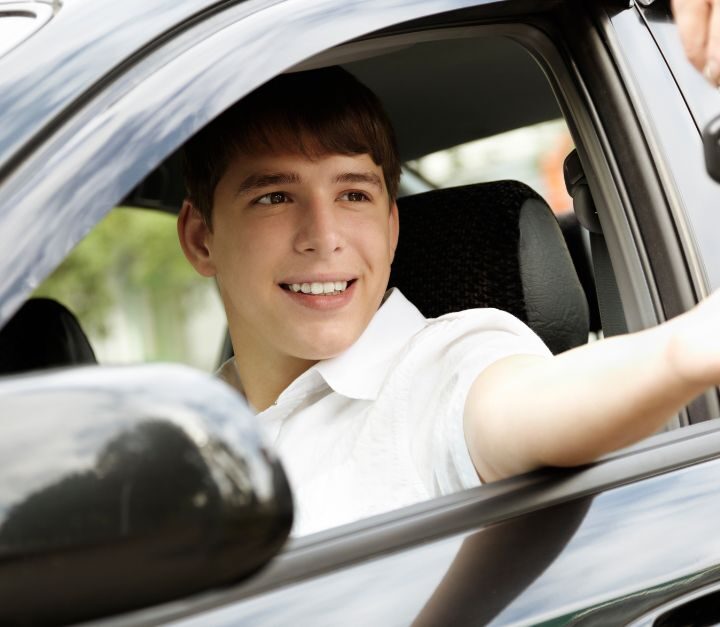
(572, 408)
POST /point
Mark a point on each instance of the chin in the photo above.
(327, 349)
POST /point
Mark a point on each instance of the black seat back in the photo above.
(43, 334)
(490, 245)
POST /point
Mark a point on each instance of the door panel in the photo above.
(601, 560)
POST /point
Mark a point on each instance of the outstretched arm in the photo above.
(525, 411)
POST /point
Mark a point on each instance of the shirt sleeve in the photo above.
(449, 355)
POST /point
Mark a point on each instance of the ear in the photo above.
(194, 236)
(394, 229)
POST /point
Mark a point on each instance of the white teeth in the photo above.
(317, 288)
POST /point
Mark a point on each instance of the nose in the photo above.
(319, 229)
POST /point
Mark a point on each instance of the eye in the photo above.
(273, 198)
(354, 196)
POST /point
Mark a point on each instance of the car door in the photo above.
(601, 544)
(600, 556)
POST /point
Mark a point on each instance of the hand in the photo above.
(698, 22)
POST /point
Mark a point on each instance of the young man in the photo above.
(291, 207)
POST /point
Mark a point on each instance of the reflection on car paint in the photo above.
(631, 547)
(155, 465)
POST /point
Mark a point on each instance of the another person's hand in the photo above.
(699, 24)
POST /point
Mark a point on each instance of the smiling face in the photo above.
(301, 249)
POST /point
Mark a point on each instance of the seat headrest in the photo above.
(43, 334)
(490, 245)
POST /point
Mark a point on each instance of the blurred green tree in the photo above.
(133, 255)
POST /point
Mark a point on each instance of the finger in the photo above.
(712, 50)
(692, 18)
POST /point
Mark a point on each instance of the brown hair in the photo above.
(317, 112)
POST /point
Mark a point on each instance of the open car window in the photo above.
(135, 295)
(137, 299)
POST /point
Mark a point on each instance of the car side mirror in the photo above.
(125, 487)
(711, 146)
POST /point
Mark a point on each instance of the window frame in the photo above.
(628, 78)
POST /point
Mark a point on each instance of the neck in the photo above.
(263, 378)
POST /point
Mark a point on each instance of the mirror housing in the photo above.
(711, 147)
(125, 487)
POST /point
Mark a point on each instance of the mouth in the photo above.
(319, 288)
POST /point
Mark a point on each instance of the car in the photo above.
(147, 494)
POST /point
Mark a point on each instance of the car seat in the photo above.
(43, 334)
(492, 244)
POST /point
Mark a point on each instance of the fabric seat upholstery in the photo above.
(43, 334)
(492, 244)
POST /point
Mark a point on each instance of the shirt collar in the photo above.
(360, 371)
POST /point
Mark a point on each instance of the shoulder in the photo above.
(478, 329)
(483, 319)
(452, 350)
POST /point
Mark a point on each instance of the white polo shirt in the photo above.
(380, 426)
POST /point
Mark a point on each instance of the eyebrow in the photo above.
(360, 177)
(267, 179)
(271, 179)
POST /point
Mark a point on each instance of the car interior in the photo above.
(498, 240)
(515, 257)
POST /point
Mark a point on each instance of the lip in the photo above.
(321, 302)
